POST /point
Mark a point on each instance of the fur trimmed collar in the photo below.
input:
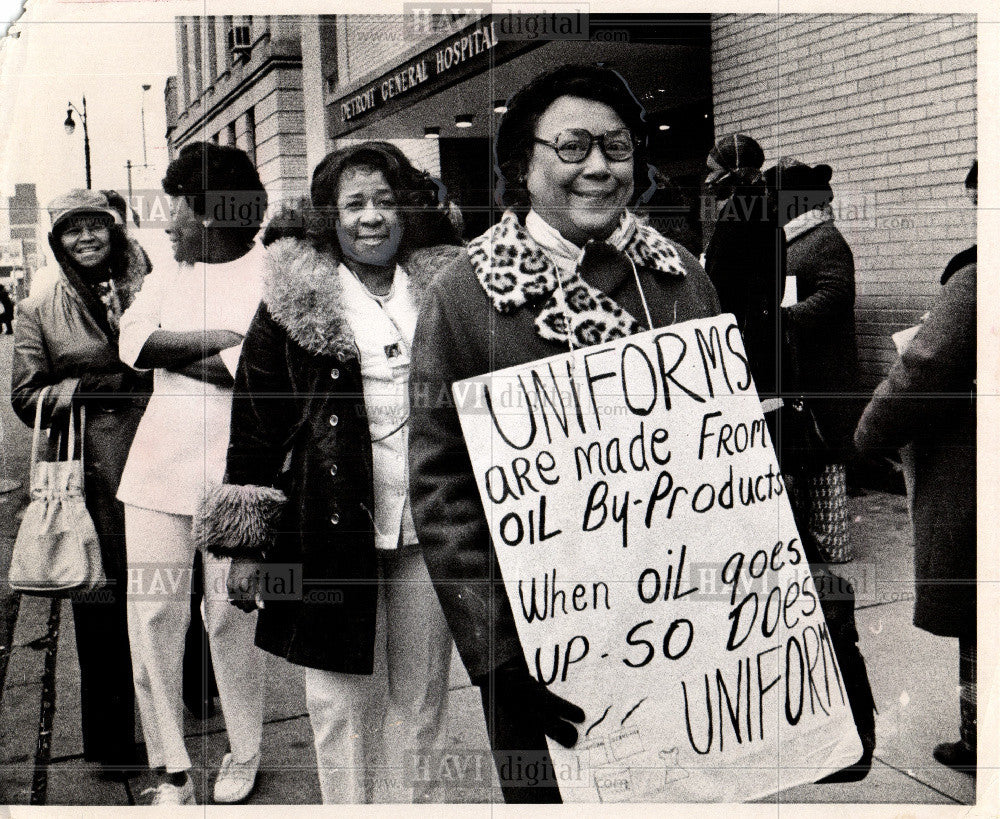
(805, 222)
(514, 270)
(303, 293)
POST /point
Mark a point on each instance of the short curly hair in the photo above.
(421, 199)
(514, 145)
(222, 179)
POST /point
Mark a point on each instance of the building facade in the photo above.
(19, 250)
(240, 82)
(889, 101)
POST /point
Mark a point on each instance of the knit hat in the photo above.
(792, 175)
(739, 157)
(79, 201)
(736, 152)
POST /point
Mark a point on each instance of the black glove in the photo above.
(522, 693)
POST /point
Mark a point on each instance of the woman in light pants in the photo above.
(187, 324)
(316, 474)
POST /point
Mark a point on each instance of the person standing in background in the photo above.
(928, 400)
(187, 325)
(745, 255)
(820, 343)
(67, 339)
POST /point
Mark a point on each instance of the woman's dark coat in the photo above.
(819, 329)
(298, 488)
(745, 261)
(460, 335)
(928, 400)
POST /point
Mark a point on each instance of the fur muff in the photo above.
(238, 521)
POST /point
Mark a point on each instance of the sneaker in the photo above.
(236, 780)
(167, 794)
(956, 755)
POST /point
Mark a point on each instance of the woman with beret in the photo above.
(567, 266)
(67, 340)
(316, 475)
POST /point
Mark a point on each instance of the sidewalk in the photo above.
(913, 674)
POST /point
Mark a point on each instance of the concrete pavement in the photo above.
(914, 676)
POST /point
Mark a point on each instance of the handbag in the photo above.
(56, 550)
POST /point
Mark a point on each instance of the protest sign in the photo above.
(656, 577)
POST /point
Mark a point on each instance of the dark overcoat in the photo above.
(62, 336)
(928, 400)
(299, 489)
(820, 331)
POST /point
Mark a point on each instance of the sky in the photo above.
(61, 53)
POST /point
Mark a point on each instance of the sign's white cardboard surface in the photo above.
(656, 577)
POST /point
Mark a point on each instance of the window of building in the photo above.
(231, 133)
(252, 135)
(185, 66)
(196, 48)
(210, 49)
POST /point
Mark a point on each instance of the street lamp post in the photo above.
(70, 126)
(145, 159)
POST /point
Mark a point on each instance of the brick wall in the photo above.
(889, 101)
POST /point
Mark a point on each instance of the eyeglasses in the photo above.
(574, 146)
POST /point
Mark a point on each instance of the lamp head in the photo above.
(69, 125)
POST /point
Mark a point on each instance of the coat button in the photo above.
(334, 373)
(334, 420)
(333, 470)
(335, 518)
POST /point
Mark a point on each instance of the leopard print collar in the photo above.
(515, 271)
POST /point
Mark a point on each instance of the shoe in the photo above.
(236, 780)
(956, 755)
(167, 794)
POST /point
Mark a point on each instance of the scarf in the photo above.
(517, 265)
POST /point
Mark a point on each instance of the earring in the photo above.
(206, 223)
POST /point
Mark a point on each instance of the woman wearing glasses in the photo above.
(566, 267)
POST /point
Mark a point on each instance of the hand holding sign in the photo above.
(534, 702)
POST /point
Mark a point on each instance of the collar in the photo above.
(807, 221)
(514, 269)
(303, 292)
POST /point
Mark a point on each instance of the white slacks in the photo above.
(359, 744)
(160, 554)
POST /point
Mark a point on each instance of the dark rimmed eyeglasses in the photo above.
(574, 146)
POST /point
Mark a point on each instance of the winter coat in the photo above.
(745, 261)
(928, 400)
(819, 329)
(459, 335)
(63, 340)
(299, 487)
